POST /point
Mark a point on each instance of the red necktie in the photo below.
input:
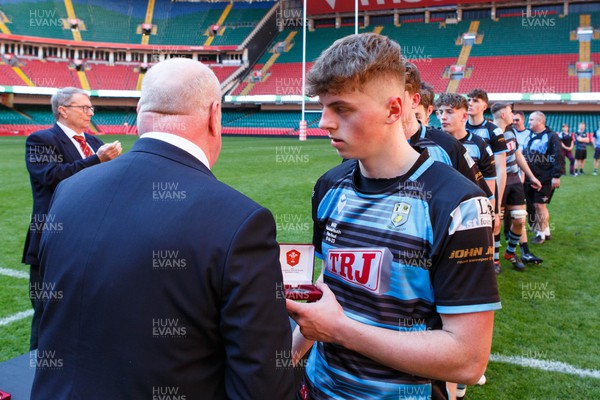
(87, 152)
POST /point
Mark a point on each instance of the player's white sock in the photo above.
(547, 231)
(541, 234)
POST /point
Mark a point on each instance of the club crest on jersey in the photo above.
(400, 214)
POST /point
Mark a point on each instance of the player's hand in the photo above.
(318, 321)
(109, 151)
(555, 183)
(497, 220)
(535, 183)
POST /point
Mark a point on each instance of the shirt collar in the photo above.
(179, 142)
(68, 131)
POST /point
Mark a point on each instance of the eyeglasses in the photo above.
(85, 109)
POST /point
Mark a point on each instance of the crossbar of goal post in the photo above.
(302, 131)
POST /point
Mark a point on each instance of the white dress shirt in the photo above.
(70, 133)
(179, 142)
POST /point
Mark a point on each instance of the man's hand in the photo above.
(109, 151)
(555, 183)
(498, 217)
(321, 320)
(535, 183)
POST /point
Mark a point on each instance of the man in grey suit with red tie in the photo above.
(172, 285)
(52, 155)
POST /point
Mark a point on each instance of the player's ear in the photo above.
(395, 108)
(416, 100)
(465, 115)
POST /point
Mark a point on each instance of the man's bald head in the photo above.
(182, 97)
(179, 86)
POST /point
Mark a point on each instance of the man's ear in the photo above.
(465, 116)
(416, 100)
(395, 107)
(214, 118)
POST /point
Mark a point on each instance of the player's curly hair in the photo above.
(427, 94)
(453, 100)
(352, 61)
(479, 94)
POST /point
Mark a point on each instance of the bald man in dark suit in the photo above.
(172, 286)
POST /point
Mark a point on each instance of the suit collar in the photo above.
(167, 150)
(67, 143)
(182, 143)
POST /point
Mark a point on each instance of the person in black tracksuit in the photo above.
(543, 154)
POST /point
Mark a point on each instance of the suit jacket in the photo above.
(50, 157)
(171, 285)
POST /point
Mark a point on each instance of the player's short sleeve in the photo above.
(497, 140)
(318, 224)
(487, 163)
(464, 279)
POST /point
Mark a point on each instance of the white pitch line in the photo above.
(14, 273)
(546, 365)
(16, 317)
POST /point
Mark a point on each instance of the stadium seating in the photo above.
(115, 122)
(431, 72)
(317, 41)
(36, 18)
(283, 79)
(117, 21)
(240, 22)
(525, 36)
(9, 77)
(556, 120)
(223, 72)
(9, 116)
(39, 115)
(426, 41)
(512, 53)
(50, 73)
(596, 79)
(432, 57)
(100, 75)
(184, 23)
(112, 21)
(15, 123)
(251, 122)
(521, 74)
(116, 77)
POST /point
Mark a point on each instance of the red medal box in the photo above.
(297, 266)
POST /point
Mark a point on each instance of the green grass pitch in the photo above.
(550, 313)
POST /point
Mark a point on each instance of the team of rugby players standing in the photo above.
(522, 166)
